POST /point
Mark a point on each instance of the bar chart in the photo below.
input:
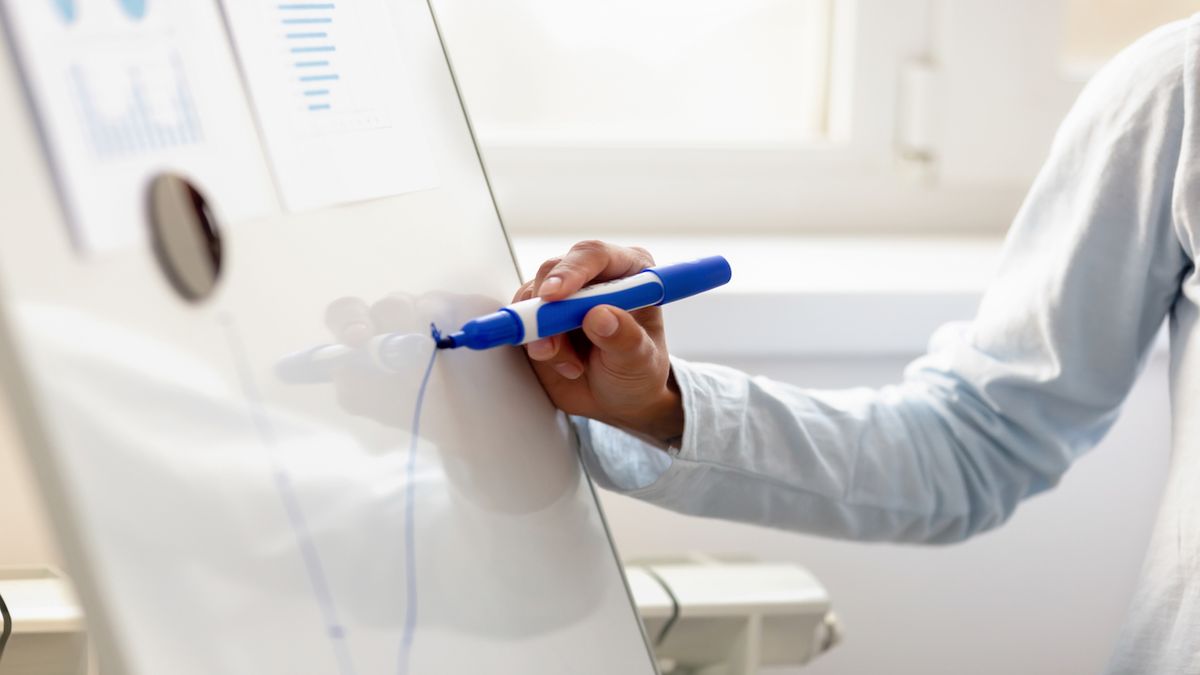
(126, 89)
(324, 50)
(152, 108)
(329, 81)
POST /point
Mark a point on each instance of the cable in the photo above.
(670, 622)
(8, 625)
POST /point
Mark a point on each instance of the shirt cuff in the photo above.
(619, 461)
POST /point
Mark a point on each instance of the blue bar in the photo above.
(307, 5)
(316, 92)
(311, 64)
(309, 50)
(316, 20)
(319, 106)
(318, 78)
(302, 36)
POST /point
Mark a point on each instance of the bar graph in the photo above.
(322, 48)
(307, 35)
(151, 108)
(329, 82)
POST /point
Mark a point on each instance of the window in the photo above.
(631, 117)
(638, 72)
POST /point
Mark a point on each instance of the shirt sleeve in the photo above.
(1000, 407)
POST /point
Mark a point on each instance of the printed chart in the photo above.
(124, 88)
(138, 124)
(334, 82)
(333, 99)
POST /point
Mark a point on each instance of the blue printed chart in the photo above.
(332, 78)
(328, 83)
(125, 88)
(139, 124)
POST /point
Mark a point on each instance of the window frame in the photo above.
(913, 147)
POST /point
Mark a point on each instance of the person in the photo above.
(1099, 255)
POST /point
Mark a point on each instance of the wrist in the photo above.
(662, 420)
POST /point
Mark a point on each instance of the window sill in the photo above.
(815, 296)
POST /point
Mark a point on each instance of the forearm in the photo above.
(890, 465)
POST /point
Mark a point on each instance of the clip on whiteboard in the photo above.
(186, 240)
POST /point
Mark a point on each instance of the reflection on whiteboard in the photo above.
(126, 88)
(329, 87)
(305, 543)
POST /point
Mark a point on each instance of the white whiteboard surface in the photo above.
(220, 520)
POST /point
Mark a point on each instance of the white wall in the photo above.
(1043, 595)
(25, 535)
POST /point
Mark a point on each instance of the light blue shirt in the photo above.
(1100, 254)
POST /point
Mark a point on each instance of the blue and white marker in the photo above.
(534, 319)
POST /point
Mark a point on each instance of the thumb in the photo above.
(625, 347)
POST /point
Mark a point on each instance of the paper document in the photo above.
(127, 88)
(327, 80)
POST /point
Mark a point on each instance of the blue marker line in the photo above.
(305, 36)
(410, 537)
(310, 64)
(316, 92)
(309, 50)
(311, 20)
(319, 106)
(318, 78)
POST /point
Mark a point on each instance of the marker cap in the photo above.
(683, 280)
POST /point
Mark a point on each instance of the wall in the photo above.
(1043, 595)
(25, 535)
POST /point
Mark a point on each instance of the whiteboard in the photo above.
(218, 519)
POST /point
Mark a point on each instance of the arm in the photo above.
(999, 409)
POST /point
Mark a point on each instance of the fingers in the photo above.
(588, 261)
(349, 320)
(624, 344)
(525, 292)
(557, 354)
(395, 313)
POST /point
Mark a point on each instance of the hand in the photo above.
(616, 368)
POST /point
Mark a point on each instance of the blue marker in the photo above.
(534, 319)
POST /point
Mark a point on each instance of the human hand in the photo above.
(616, 368)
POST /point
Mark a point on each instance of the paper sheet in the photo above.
(127, 88)
(328, 83)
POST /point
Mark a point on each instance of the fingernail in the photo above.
(569, 370)
(540, 350)
(550, 286)
(605, 323)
